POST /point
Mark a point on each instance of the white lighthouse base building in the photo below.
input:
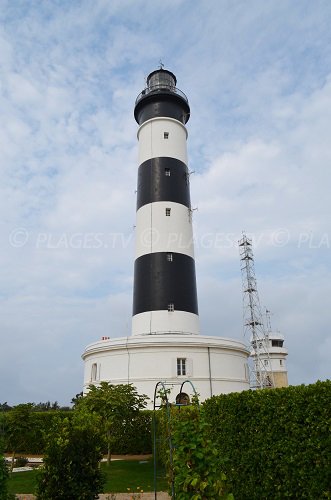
(214, 365)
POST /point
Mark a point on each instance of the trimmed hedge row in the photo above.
(41, 423)
(274, 444)
(129, 438)
(271, 444)
(134, 437)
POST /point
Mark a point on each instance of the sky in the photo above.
(258, 78)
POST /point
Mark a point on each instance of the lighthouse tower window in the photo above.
(169, 257)
(167, 212)
(171, 307)
(166, 135)
(167, 171)
(181, 366)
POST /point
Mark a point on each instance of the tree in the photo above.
(47, 406)
(114, 404)
(71, 461)
(76, 398)
(5, 406)
(21, 424)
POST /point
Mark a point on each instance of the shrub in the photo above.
(3, 478)
(188, 455)
(271, 444)
(134, 436)
(276, 443)
(34, 433)
(127, 438)
(196, 465)
(71, 462)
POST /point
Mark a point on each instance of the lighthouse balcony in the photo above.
(161, 88)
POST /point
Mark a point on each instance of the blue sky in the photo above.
(258, 78)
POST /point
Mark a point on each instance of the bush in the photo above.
(71, 462)
(3, 478)
(133, 437)
(272, 444)
(188, 455)
(276, 443)
(34, 442)
(196, 466)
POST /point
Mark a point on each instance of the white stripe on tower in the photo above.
(165, 296)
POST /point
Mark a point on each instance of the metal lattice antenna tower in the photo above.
(261, 374)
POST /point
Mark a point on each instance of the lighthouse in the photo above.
(165, 293)
(165, 344)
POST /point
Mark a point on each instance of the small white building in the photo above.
(273, 355)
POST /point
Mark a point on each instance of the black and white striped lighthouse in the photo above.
(165, 295)
(165, 343)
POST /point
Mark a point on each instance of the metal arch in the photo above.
(155, 393)
(195, 392)
(168, 405)
(163, 385)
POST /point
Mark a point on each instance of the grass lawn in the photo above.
(22, 482)
(121, 475)
(125, 474)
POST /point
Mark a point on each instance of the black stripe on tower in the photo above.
(162, 104)
(163, 179)
(159, 281)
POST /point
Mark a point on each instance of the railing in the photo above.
(160, 89)
(168, 332)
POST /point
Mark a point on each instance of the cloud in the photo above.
(275, 189)
(258, 81)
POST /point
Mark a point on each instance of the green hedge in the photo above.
(41, 423)
(274, 444)
(133, 437)
(129, 438)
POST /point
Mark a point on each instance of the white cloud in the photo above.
(276, 188)
(258, 81)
